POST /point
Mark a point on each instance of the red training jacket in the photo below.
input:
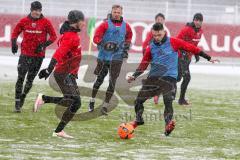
(188, 34)
(34, 33)
(68, 54)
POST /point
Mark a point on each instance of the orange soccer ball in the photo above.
(125, 131)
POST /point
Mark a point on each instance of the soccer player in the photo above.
(191, 33)
(113, 38)
(163, 56)
(35, 28)
(159, 18)
(65, 63)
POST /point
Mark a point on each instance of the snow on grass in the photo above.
(211, 133)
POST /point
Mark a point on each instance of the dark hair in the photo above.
(158, 27)
(36, 5)
(160, 15)
(198, 16)
(74, 16)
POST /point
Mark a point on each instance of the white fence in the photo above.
(215, 11)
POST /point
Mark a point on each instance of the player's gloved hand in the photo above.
(126, 48)
(136, 74)
(125, 54)
(14, 46)
(41, 47)
(197, 58)
(205, 55)
(130, 79)
(44, 74)
(209, 58)
(70, 79)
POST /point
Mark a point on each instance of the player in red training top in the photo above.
(35, 28)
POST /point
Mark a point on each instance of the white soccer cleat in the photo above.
(62, 134)
(38, 102)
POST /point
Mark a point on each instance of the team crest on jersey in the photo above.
(34, 25)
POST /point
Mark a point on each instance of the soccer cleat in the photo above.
(17, 106)
(169, 127)
(17, 110)
(155, 99)
(38, 102)
(134, 124)
(183, 102)
(104, 109)
(91, 106)
(139, 121)
(62, 134)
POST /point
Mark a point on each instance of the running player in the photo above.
(35, 28)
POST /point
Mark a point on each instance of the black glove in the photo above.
(204, 55)
(125, 54)
(184, 55)
(137, 73)
(44, 74)
(14, 46)
(70, 79)
(126, 48)
(39, 48)
(197, 58)
(42, 46)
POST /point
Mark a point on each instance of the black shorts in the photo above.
(153, 86)
(30, 65)
(67, 90)
(113, 67)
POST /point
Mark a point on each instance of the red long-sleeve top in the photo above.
(35, 32)
(68, 55)
(190, 35)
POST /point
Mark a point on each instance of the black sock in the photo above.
(60, 127)
(48, 99)
(22, 99)
(168, 111)
(184, 85)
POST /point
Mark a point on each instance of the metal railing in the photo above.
(214, 11)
